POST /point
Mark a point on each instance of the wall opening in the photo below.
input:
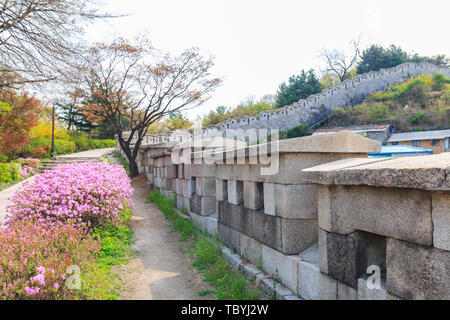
(259, 196)
(224, 190)
(372, 253)
(193, 182)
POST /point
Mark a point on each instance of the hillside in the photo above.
(422, 103)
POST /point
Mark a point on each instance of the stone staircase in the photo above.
(50, 164)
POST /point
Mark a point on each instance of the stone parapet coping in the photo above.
(336, 142)
(418, 172)
(162, 145)
(161, 154)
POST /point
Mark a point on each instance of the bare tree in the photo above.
(339, 62)
(134, 82)
(38, 38)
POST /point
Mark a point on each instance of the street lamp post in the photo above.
(53, 132)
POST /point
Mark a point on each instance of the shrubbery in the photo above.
(28, 166)
(9, 172)
(41, 148)
(92, 194)
(25, 131)
(298, 131)
(421, 102)
(34, 258)
(90, 144)
(72, 216)
(17, 170)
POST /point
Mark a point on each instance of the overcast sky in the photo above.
(257, 44)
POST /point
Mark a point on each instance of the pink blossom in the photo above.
(48, 226)
(40, 269)
(40, 278)
(32, 291)
(89, 193)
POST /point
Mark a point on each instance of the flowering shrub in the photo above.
(29, 166)
(73, 215)
(91, 193)
(34, 258)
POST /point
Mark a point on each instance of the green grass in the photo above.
(105, 159)
(204, 293)
(122, 161)
(4, 186)
(115, 242)
(229, 284)
(102, 282)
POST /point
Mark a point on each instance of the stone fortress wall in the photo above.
(318, 107)
(323, 218)
(313, 110)
(327, 214)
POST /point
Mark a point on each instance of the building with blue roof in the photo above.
(401, 151)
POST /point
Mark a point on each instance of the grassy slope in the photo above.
(428, 106)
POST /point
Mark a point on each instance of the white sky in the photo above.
(258, 44)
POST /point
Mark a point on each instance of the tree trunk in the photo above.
(134, 172)
(131, 156)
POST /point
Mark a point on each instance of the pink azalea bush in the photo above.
(49, 229)
(92, 193)
(28, 166)
(34, 258)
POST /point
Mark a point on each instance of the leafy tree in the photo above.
(105, 129)
(439, 60)
(72, 116)
(40, 38)
(44, 131)
(94, 121)
(329, 80)
(298, 87)
(215, 117)
(18, 114)
(250, 108)
(376, 57)
(177, 121)
(133, 81)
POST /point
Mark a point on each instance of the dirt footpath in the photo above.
(159, 270)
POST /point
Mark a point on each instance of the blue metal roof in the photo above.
(400, 149)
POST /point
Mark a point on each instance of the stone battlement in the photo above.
(325, 218)
(319, 106)
(391, 213)
(312, 110)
